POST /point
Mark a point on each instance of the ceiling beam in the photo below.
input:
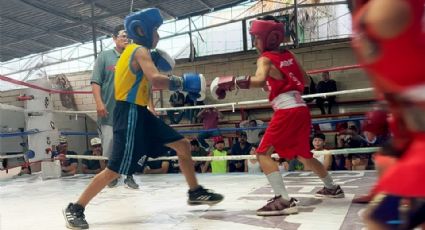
(5, 57)
(49, 9)
(86, 21)
(98, 5)
(53, 10)
(20, 51)
(157, 3)
(71, 25)
(27, 50)
(64, 27)
(205, 4)
(42, 28)
(41, 65)
(165, 11)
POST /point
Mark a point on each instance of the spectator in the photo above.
(241, 147)
(283, 165)
(191, 113)
(340, 163)
(311, 89)
(348, 138)
(93, 166)
(260, 136)
(372, 140)
(252, 166)
(156, 167)
(210, 118)
(174, 164)
(252, 134)
(176, 100)
(319, 141)
(364, 161)
(102, 82)
(326, 85)
(162, 166)
(218, 166)
(198, 152)
(69, 166)
(295, 165)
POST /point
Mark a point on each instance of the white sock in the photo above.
(328, 181)
(276, 181)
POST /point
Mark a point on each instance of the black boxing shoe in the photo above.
(201, 196)
(74, 217)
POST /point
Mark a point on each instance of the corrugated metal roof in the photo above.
(34, 26)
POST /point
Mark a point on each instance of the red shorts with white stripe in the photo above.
(289, 133)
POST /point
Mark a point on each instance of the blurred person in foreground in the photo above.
(389, 41)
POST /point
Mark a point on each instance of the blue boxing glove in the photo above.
(162, 60)
(29, 154)
(192, 83)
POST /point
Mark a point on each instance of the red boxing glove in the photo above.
(376, 122)
(220, 85)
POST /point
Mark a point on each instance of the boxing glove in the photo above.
(162, 60)
(29, 154)
(220, 85)
(192, 83)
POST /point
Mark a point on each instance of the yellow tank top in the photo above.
(130, 86)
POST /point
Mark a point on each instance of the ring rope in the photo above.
(17, 134)
(244, 157)
(264, 126)
(234, 104)
(22, 83)
(11, 156)
(78, 133)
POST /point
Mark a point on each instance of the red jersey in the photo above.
(399, 61)
(293, 78)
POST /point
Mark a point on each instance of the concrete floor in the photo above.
(28, 202)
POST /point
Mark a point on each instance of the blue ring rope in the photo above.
(19, 134)
(76, 133)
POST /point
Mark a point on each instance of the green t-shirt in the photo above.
(103, 75)
(219, 166)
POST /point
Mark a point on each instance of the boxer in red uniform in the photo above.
(289, 129)
(389, 40)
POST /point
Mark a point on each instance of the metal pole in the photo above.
(93, 27)
(259, 15)
(296, 42)
(244, 38)
(192, 48)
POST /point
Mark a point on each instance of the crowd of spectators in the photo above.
(344, 135)
(347, 135)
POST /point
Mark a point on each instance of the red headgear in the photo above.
(271, 33)
(376, 122)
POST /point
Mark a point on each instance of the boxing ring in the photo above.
(28, 202)
(32, 202)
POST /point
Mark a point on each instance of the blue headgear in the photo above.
(148, 20)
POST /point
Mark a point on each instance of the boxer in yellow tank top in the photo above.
(138, 133)
(130, 85)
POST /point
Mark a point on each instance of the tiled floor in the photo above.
(28, 202)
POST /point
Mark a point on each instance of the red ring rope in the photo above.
(17, 82)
